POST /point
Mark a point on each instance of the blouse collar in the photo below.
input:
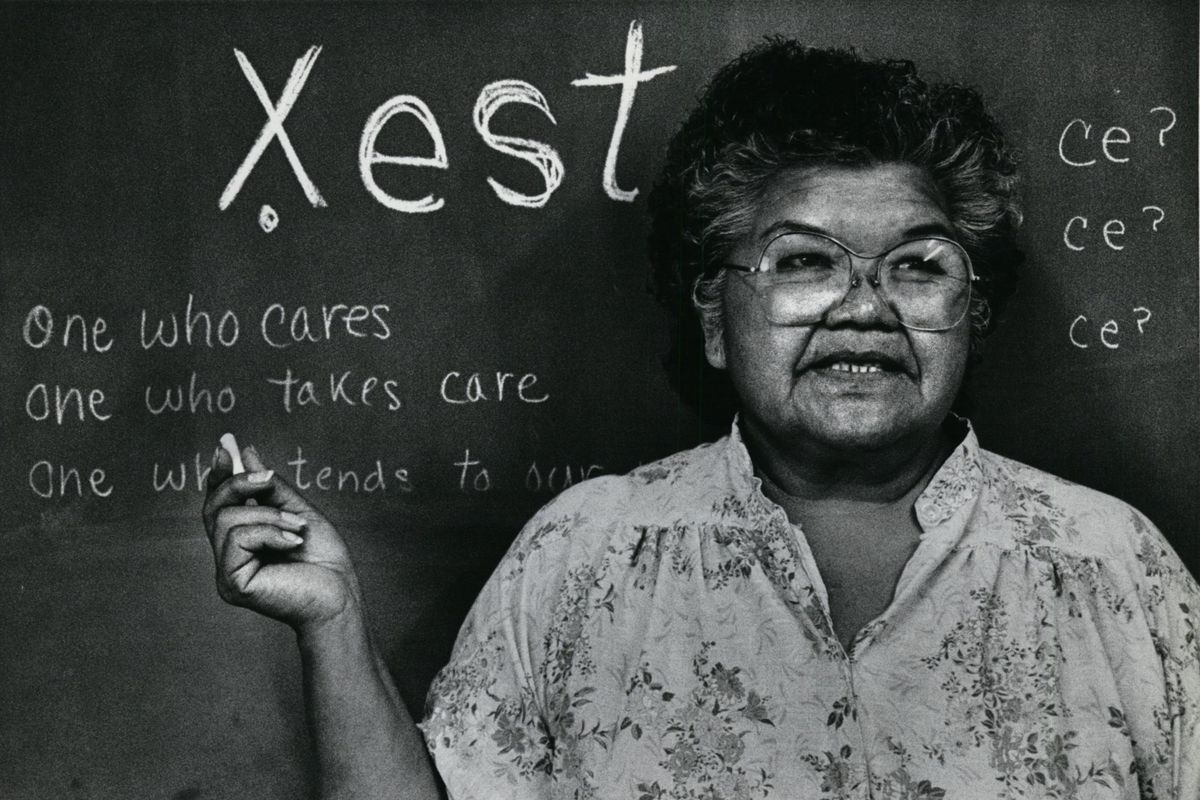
(956, 483)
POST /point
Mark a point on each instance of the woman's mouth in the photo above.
(855, 368)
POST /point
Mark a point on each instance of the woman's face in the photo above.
(794, 381)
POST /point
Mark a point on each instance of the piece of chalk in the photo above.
(231, 446)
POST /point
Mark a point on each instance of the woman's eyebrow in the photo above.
(928, 229)
(795, 226)
(791, 226)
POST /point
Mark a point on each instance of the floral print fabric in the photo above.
(664, 634)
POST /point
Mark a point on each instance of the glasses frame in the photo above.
(856, 281)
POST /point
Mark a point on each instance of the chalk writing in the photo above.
(335, 479)
(1162, 133)
(164, 477)
(43, 484)
(268, 218)
(479, 479)
(281, 325)
(38, 330)
(171, 399)
(628, 82)
(540, 155)
(39, 408)
(1112, 232)
(1109, 333)
(474, 389)
(342, 390)
(558, 478)
(277, 326)
(166, 331)
(1159, 217)
(1076, 145)
(368, 157)
(273, 129)
(491, 97)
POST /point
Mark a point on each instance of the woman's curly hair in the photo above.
(782, 105)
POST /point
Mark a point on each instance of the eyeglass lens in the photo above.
(927, 282)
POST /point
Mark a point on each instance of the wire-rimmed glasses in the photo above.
(801, 275)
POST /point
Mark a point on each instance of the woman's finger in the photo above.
(236, 490)
(254, 537)
(278, 492)
(241, 559)
(221, 468)
(231, 517)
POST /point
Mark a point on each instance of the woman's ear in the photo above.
(714, 336)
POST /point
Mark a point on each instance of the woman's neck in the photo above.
(814, 471)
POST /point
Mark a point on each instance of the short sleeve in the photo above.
(484, 724)
(1175, 597)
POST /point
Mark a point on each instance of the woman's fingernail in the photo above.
(216, 457)
(288, 518)
(290, 537)
(261, 476)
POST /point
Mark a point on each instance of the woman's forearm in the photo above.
(366, 743)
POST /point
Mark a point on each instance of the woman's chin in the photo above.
(860, 429)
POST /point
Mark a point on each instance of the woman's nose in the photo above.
(864, 304)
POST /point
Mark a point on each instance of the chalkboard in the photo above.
(202, 232)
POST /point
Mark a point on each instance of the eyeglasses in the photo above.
(801, 276)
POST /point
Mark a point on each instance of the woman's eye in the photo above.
(918, 266)
(799, 261)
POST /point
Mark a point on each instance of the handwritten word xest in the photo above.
(541, 156)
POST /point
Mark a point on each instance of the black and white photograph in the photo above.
(600, 401)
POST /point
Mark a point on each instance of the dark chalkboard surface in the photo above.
(290, 295)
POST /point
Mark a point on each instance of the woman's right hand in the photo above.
(280, 557)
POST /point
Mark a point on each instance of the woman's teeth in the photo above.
(845, 366)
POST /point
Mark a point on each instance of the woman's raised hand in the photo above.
(275, 553)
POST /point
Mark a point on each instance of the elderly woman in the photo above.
(846, 596)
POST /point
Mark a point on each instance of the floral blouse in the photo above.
(665, 634)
